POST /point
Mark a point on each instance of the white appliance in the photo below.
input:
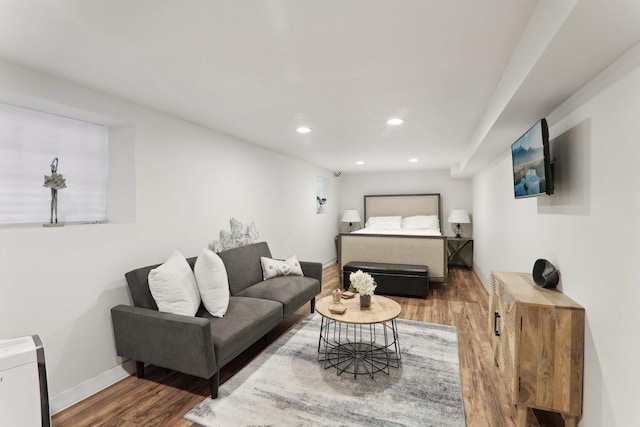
(24, 398)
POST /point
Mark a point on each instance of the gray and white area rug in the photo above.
(287, 386)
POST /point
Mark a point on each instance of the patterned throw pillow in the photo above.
(273, 267)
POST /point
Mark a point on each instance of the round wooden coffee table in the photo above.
(360, 341)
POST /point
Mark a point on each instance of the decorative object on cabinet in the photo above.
(460, 252)
(545, 274)
(537, 336)
(351, 216)
(459, 216)
(55, 182)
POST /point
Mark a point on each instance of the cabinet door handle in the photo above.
(496, 316)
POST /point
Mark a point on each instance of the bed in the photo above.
(393, 245)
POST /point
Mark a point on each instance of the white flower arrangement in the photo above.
(362, 283)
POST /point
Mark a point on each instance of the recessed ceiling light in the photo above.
(413, 160)
(395, 121)
(359, 162)
(303, 129)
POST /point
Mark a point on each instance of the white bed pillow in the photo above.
(384, 222)
(421, 222)
(213, 283)
(273, 267)
(173, 286)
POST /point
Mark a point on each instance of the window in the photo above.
(29, 141)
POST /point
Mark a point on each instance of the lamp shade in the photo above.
(350, 215)
(459, 216)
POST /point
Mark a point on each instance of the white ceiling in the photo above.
(468, 76)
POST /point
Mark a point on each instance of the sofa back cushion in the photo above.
(138, 281)
(243, 265)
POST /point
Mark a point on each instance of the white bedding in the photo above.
(428, 232)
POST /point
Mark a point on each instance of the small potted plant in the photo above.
(363, 284)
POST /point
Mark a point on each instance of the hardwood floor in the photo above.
(162, 398)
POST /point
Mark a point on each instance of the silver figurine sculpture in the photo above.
(236, 238)
(55, 182)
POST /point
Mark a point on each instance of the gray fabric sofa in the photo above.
(202, 344)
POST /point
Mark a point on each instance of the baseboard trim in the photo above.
(91, 386)
(327, 264)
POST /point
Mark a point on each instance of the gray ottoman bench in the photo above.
(404, 280)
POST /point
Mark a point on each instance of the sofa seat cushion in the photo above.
(246, 321)
(291, 291)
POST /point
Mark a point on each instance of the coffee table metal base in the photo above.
(359, 349)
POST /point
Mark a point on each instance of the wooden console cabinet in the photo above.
(537, 336)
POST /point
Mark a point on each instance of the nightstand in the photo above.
(460, 252)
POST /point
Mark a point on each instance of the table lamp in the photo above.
(459, 216)
(350, 216)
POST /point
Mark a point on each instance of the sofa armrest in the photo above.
(312, 269)
(181, 343)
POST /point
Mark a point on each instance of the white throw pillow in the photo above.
(273, 267)
(384, 223)
(213, 283)
(173, 286)
(421, 222)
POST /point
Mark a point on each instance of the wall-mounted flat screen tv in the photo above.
(532, 173)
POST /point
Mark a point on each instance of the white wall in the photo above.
(60, 283)
(587, 229)
(455, 193)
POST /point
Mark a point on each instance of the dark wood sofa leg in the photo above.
(313, 304)
(139, 369)
(214, 383)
